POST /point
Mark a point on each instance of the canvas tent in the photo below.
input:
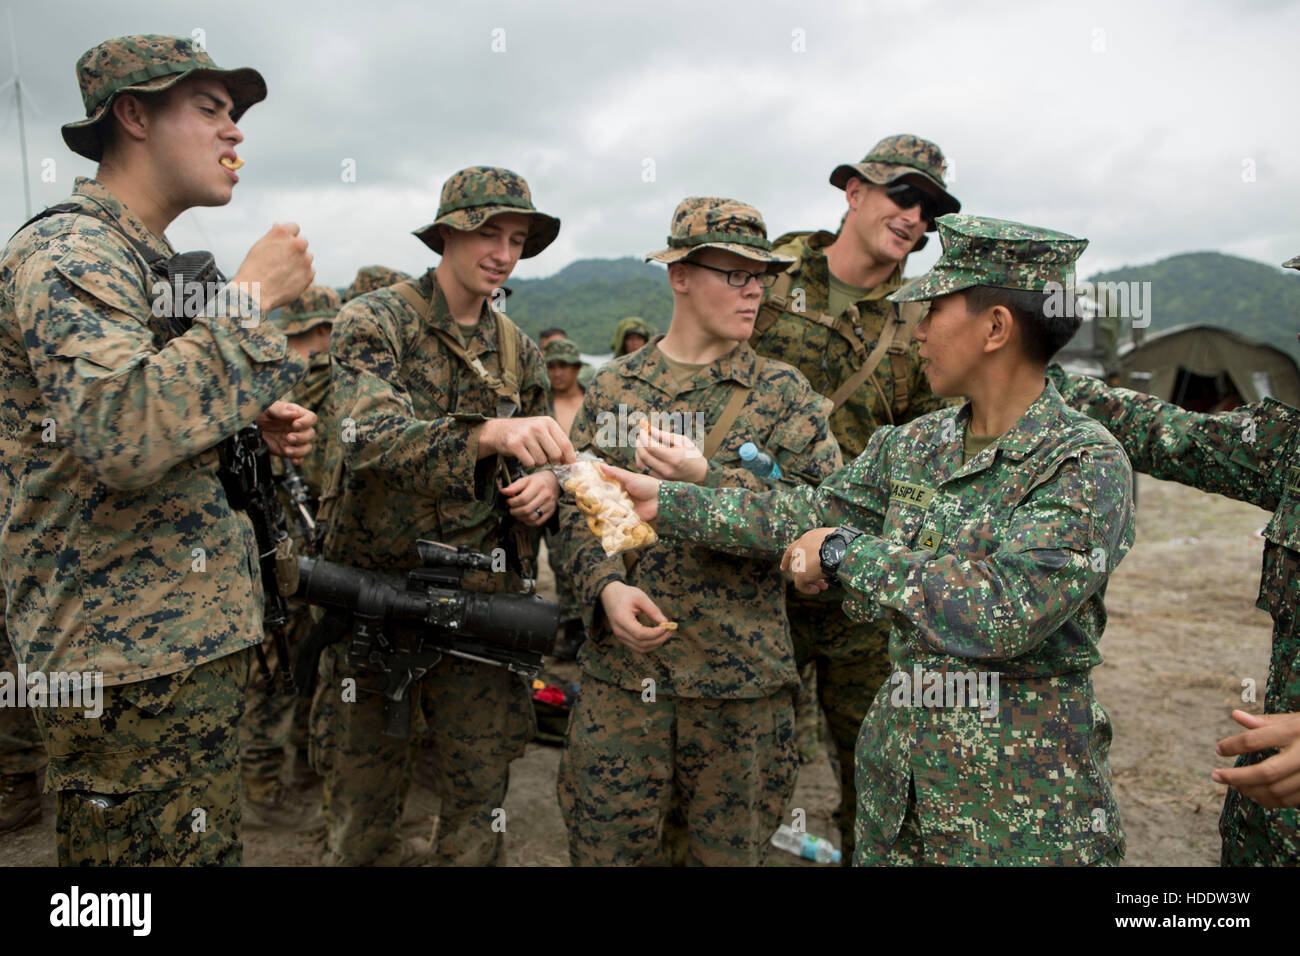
(1204, 368)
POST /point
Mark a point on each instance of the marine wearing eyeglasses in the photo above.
(827, 316)
(696, 721)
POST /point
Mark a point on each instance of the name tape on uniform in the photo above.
(910, 494)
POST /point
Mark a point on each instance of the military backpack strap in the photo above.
(510, 361)
(774, 303)
(509, 341)
(910, 315)
(407, 290)
(55, 210)
(156, 260)
(855, 381)
(777, 301)
(713, 440)
(506, 386)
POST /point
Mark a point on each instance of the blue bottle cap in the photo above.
(748, 451)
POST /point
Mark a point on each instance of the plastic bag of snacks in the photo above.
(607, 507)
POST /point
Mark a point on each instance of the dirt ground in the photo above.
(1183, 636)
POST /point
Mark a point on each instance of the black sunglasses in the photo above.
(905, 196)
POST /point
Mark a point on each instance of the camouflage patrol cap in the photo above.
(995, 252)
(907, 158)
(147, 63)
(473, 196)
(1292, 263)
(705, 222)
(319, 303)
(370, 278)
(562, 350)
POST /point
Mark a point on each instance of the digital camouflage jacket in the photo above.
(732, 638)
(995, 568)
(118, 548)
(1251, 453)
(409, 414)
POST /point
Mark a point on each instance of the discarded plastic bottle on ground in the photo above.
(758, 462)
(805, 845)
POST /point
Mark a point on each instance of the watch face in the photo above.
(833, 549)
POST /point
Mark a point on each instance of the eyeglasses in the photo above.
(739, 277)
(905, 196)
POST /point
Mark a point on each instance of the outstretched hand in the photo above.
(1274, 782)
(642, 489)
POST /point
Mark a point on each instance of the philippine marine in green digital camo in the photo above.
(985, 536)
(1251, 454)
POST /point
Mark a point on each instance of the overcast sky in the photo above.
(1148, 128)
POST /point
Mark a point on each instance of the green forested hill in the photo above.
(1257, 300)
(1260, 301)
(587, 299)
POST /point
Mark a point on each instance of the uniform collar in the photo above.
(1040, 422)
(477, 340)
(649, 365)
(94, 193)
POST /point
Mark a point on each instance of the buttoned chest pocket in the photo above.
(1284, 528)
(904, 523)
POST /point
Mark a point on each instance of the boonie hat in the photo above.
(147, 63)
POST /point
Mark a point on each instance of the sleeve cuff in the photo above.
(674, 519)
(476, 482)
(862, 570)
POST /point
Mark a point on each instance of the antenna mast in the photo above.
(18, 100)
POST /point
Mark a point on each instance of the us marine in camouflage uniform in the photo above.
(273, 734)
(703, 714)
(563, 360)
(370, 278)
(634, 326)
(22, 758)
(1251, 454)
(984, 536)
(829, 317)
(321, 717)
(421, 433)
(119, 551)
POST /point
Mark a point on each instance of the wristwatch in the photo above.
(834, 546)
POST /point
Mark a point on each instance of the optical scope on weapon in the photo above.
(402, 627)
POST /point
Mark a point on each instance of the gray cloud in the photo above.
(1128, 124)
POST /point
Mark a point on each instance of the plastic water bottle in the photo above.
(805, 845)
(758, 462)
